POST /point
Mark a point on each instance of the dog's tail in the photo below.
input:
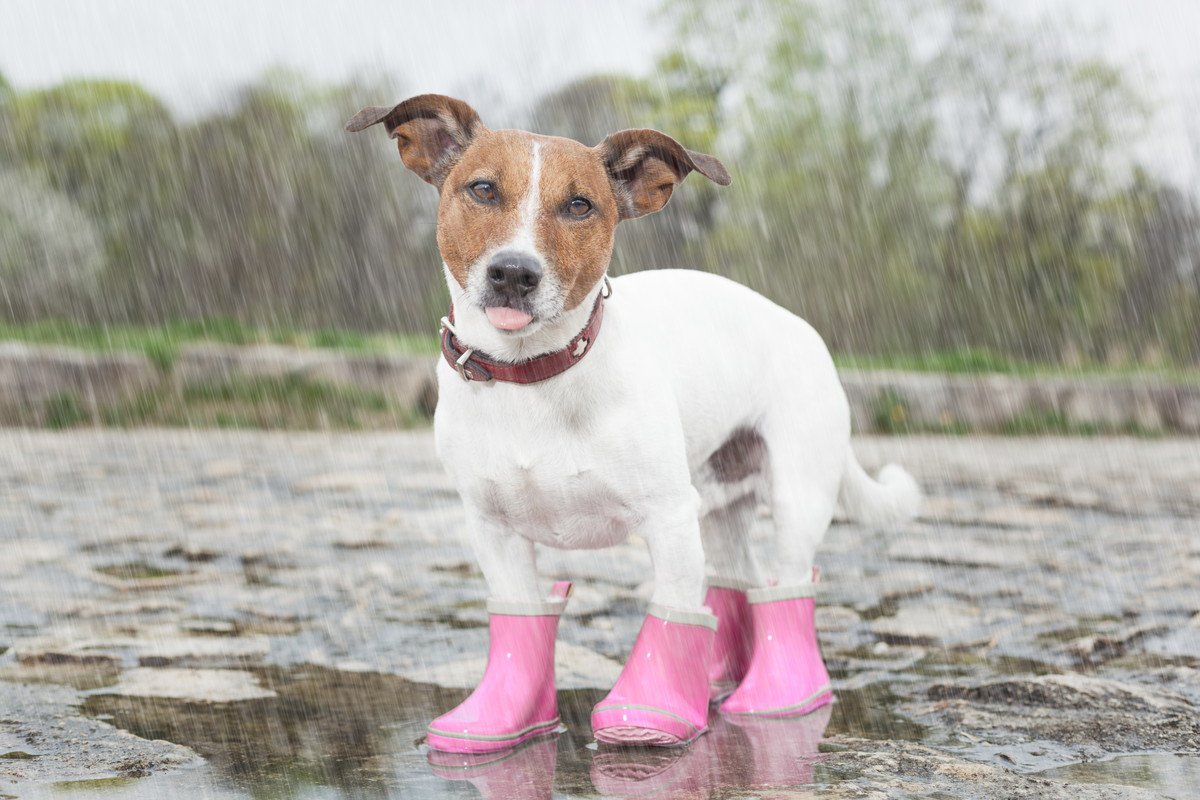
(887, 501)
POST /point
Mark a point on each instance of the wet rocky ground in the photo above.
(250, 615)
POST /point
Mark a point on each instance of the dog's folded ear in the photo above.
(645, 166)
(431, 132)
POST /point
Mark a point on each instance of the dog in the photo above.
(575, 411)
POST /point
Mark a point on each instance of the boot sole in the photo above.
(458, 743)
(823, 698)
(629, 732)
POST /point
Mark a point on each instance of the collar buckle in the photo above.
(463, 364)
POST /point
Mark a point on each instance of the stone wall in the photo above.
(32, 376)
(406, 380)
(883, 401)
(880, 401)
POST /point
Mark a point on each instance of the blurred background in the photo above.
(947, 184)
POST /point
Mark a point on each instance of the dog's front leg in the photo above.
(672, 535)
(661, 697)
(516, 699)
(507, 560)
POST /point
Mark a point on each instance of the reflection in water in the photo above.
(325, 733)
(526, 773)
(332, 735)
(736, 753)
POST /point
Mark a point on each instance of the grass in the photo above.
(1055, 423)
(951, 361)
(292, 402)
(979, 361)
(64, 411)
(162, 343)
(295, 402)
(892, 416)
(288, 403)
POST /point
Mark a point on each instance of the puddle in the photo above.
(333, 734)
(326, 733)
(1175, 776)
(866, 713)
(329, 734)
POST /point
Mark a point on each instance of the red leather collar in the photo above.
(474, 366)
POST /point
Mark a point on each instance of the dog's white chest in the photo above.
(540, 479)
(562, 497)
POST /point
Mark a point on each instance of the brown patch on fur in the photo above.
(578, 250)
(646, 165)
(741, 455)
(467, 228)
(652, 187)
(629, 174)
(431, 131)
(423, 143)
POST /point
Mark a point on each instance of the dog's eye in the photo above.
(484, 191)
(579, 207)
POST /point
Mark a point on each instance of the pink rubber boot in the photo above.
(734, 641)
(515, 701)
(661, 697)
(787, 675)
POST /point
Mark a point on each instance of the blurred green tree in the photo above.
(954, 189)
(907, 175)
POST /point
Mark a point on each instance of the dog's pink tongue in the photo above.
(507, 319)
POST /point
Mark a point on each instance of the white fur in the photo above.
(619, 443)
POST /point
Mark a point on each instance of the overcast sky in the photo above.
(504, 53)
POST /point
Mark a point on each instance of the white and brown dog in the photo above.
(571, 418)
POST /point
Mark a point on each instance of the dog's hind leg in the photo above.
(802, 517)
(727, 553)
(806, 463)
(787, 674)
(732, 570)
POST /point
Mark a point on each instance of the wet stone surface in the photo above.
(236, 615)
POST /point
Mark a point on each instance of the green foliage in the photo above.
(64, 411)
(292, 390)
(968, 361)
(960, 192)
(937, 178)
(1050, 423)
(266, 212)
(891, 413)
(162, 343)
(288, 403)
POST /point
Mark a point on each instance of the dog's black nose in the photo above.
(514, 274)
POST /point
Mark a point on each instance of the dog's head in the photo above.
(526, 222)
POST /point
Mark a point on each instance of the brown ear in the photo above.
(431, 132)
(645, 166)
